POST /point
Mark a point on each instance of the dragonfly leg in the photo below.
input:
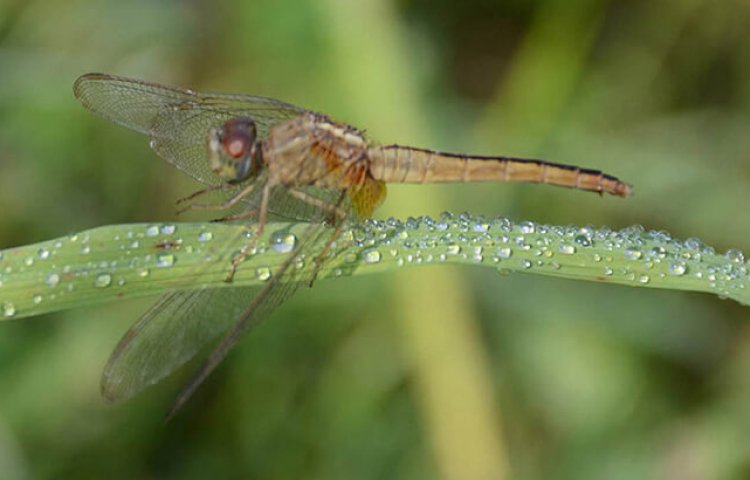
(334, 209)
(252, 213)
(338, 216)
(324, 253)
(212, 188)
(262, 213)
(220, 206)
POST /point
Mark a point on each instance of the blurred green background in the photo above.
(439, 372)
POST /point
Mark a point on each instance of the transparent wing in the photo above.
(177, 120)
(182, 323)
(168, 335)
(282, 284)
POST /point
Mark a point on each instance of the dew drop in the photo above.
(371, 256)
(633, 253)
(37, 299)
(504, 252)
(152, 230)
(43, 253)
(103, 280)
(658, 252)
(567, 249)
(86, 249)
(135, 244)
(734, 256)
(168, 229)
(644, 279)
(28, 261)
(527, 227)
(9, 310)
(677, 269)
(165, 259)
(525, 263)
(205, 237)
(454, 249)
(283, 242)
(481, 227)
(608, 271)
(53, 280)
(582, 240)
(143, 272)
(263, 273)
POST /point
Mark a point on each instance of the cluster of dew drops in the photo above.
(522, 246)
(64, 279)
(525, 246)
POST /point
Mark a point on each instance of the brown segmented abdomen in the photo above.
(397, 164)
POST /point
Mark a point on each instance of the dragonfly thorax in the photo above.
(233, 151)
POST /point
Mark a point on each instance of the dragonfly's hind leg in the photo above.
(245, 251)
(337, 217)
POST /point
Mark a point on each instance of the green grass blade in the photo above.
(125, 261)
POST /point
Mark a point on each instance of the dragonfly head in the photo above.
(233, 150)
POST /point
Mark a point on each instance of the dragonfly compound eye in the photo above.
(233, 149)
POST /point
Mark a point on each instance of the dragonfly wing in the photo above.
(177, 120)
(169, 334)
(283, 283)
(135, 103)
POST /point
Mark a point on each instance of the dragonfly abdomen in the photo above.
(397, 164)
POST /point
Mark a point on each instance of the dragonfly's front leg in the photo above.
(231, 202)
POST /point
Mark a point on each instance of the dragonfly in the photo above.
(266, 158)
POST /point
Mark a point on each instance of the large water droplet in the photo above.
(283, 242)
(168, 229)
(371, 256)
(103, 280)
(53, 279)
(152, 230)
(633, 253)
(734, 256)
(504, 252)
(9, 310)
(527, 227)
(582, 240)
(453, 249)
(658, 252)
(263, 273)
(165, 259)
(678, 268)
